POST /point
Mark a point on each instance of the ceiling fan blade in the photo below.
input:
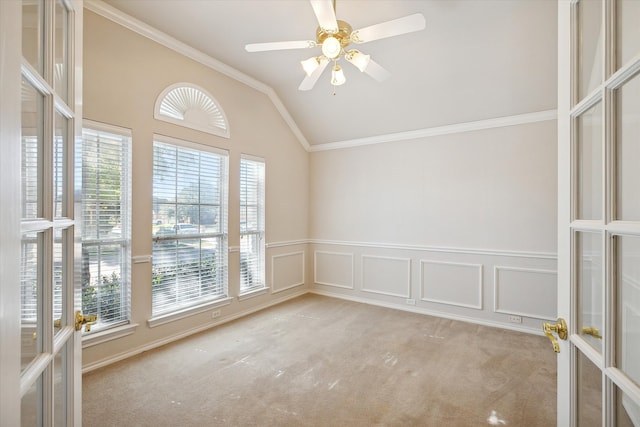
(310, 81)
(325, 14)
(261, 47)
(408, 24)
(376, 71)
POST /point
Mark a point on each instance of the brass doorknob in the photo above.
(559, 328)
(85, 320)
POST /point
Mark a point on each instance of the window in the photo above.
(252, 246)
(106, 222)
(189, 225)
(188, 105)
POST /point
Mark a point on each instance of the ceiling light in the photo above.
(331, 47)
(310, 65)
(337, 76)
(357, 58)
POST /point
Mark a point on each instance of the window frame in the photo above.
(125, 212)
(181, 310)
(258, 231)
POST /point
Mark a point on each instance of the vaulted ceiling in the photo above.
(476, 59)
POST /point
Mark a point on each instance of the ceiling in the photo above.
(476, 59)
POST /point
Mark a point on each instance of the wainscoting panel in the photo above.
(287, 271)
(525, 292)
(333, 269)
(386, 276)
(451, 283)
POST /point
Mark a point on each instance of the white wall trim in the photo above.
(335, 285)
(155, 344)
(407, 294)
(286, 243)
(480, 289)
(518, 119)
(137, 26)
(273, 268)
(472, 251)
(427, 312)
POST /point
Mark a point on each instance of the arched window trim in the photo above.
(203, 102)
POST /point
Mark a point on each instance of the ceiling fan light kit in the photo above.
(333, 36)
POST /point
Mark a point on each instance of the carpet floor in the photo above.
(320, 361)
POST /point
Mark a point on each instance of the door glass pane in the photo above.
(628, 150)
(59, 147)
(60, 50)
(59, 275)
(628, 289)
(627, 410)
(589, 164)
(589, 287)
(589, 393)
(590, 46)
(32, 32)
(30, 407)
(628, 12)
(60, 388)
(32, 149)
(30, 282)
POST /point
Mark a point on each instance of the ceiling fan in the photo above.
(334, 36)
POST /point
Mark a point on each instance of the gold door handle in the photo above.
(87, 320)
(592, 330)
(560, 328)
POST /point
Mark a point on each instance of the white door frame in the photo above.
(564, 400)
(10, 59)
(11, 67)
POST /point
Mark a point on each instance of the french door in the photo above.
(40, 116)
(599, 212)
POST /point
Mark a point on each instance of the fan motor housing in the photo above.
(343, 34)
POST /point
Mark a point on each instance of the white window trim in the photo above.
(261, 288)
(188, 312)
(253, 292)
(102, 333)
(220, 301)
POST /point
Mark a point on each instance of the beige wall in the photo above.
(123, 75)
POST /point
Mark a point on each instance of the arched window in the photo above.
(188, 105)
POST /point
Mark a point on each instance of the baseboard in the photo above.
(167, 340)
(420, 310)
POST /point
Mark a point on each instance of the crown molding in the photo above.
(519, 119)
(101, 8)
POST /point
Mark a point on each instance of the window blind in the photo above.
(106, 229)
(189, 226)
(252, 244)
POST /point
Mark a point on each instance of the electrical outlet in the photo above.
(515, 319)
(215, 314)
(411, 301)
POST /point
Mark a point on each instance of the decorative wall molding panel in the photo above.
(386, 275)
(287, 271)
(333, 269)
(447, 282)
(451, 283)
(525, 292)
